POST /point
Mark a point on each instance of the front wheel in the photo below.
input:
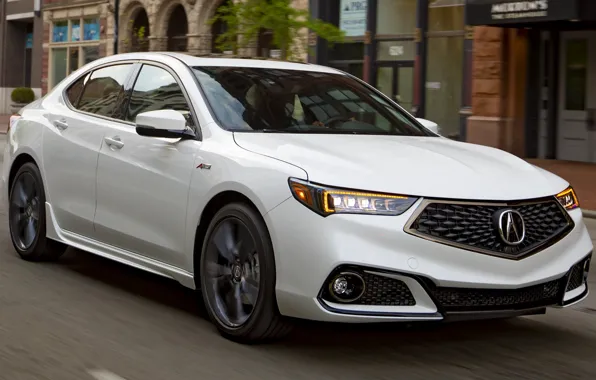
(237, 271)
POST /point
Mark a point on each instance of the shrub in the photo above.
(22, 95)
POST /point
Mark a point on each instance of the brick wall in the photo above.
(45, 58)
(485, 124)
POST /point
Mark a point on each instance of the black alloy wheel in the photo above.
(237, 271)
(27, 215)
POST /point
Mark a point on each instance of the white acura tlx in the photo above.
(281, 190)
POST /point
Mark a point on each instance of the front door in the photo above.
(577, 106)
(143, 182)
(396, 80)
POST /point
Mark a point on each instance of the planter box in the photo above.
(15, 107)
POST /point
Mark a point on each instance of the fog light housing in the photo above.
(347, 287)
(586, 269)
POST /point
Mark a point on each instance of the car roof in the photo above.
(225, 60)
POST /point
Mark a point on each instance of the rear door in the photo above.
(71, 147)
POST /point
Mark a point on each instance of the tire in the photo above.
(237, 283)
(27, 208)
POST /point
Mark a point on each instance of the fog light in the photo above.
(347, 287)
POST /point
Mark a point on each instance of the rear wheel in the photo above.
(237, 272)
(27, 217)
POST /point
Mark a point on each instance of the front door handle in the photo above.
(114, 142)
(61, 124)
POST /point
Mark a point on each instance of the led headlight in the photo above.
(326, 200)
(568, 199)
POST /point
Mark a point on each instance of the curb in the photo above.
(589, 214)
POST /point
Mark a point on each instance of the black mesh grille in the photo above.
(379, 291)
(576, 277)
(460, 299)
(474, 226)
(385, 291)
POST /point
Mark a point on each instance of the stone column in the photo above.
(158, 43)
(486, 123)
(498, 89)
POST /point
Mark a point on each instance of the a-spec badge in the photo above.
(204, 166)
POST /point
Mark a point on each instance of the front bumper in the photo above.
(444, 282)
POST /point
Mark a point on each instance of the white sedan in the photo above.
(285, 190)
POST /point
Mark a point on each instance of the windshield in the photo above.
(292, 101)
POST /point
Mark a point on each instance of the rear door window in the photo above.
(104, 90)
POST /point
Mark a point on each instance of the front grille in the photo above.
(473, 226)
(385, 291)
(463, 299)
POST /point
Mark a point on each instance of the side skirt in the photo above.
(113, 253)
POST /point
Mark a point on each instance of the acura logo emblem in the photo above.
(511, 227)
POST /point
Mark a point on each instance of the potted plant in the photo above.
(21, 96)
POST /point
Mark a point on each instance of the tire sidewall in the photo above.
(266, 305)
(34, 171)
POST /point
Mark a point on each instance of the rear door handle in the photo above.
(114, 142)
(61, 124)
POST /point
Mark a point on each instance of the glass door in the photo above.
(396, 80)
(577, 104)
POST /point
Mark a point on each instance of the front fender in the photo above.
(263, 180)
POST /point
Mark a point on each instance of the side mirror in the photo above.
(434, 127)
(163, 123)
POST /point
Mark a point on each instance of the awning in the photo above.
(503, 12)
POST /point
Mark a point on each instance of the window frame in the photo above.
(90, 72)
(68, 44)
(128, 87)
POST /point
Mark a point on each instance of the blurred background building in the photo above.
(517, 75)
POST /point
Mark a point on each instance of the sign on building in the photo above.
(352, 17)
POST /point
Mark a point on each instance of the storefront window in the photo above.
(396, 17)
(348, 57)
(73, 44)
(60, 31)
(59, 62)
(445, 63)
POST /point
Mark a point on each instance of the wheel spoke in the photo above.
(29, 186)
(218, 270)
(224, 241)
(29, 233)
(245, 244)
(19, 197)
(235, 305)
(251, 291)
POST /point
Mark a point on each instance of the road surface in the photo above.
(86, 318)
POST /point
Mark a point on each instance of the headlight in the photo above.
(326, 200)
(568, 199)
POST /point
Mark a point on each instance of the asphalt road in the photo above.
(87, 318)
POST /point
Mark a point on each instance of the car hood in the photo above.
(422, 166)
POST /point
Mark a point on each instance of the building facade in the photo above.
(78, 31)
(535, 77)
(21, 35)
(417, 52)
(517, 75)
